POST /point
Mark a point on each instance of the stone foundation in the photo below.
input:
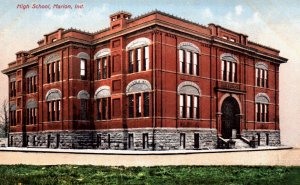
(119, 139)
(265, 137)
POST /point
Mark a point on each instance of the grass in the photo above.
(68, 174)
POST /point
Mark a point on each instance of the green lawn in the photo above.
(148, 175)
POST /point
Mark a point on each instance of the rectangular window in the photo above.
(189, 106)
(138, 105)
(104, 68)
(223, 70)
(53, 108)
(49, 73)
(57, 140)
(49, 111)
(53, 72)
(130, 141)
(234, 78)
(145, 141)
(108, 140)
(257, 76)
(58, 110)
(227, 71)
(196, 109)
(266, 79)
(35, 84)
(131, 106)
(83, 69)
(181, 61)
(98, 109)
(267, 112)
(130, 60)
(196, 63)
(58, 70)
(263, 78)
(146, 104)
(98, 140)
(262, 110)
(182, 140)
(138, 60)
(196, 140)
(257, 107)
(98, 69)
(103, 108)
(182, 106)
(189, 62)
(146, 58)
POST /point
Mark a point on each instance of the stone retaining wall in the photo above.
(118, 139)
(267, 137)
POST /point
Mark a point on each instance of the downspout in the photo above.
(154, 88)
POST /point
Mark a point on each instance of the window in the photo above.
(145, 141)
(54, 109)
(98, 140)
(103, 71)
(103, 108)
(83, 69)
(262, 107)
(138, 59)
(103, 103)
(31, 116)
(130, 141)
(12, 116)
(31, 82)
(131, 105)
(261, 74)
(138, 55)
(130, 65)
(138, 98)
(53, 71)
(108, 140)
(229, 70)
(189, 94)
(182, 140)
(188, 58)
(196, 140)
(18, 86)
(12, 87)
(53, 99)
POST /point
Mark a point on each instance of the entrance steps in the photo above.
(232, 143)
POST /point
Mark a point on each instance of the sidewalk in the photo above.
(270, 157)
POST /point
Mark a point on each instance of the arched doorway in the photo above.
(230, 117)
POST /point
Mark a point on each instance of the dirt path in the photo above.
(287, 157)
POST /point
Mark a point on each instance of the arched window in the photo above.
(262, 102)
(12, 114)
(138, 94)
(103, 63)
(31, 81)
(189, 97)
(53, 67)
(188, 58)
(229, 67)
(138, 55)
(31, 112)
(84, 97)
(102, 96)
(261, 74)
(53, 99)
(84, 57)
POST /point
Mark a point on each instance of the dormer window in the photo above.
(232, 40)
(225, 37)
(55, 39)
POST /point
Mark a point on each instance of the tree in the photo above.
(4, 119)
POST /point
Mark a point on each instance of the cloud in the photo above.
(238, 9)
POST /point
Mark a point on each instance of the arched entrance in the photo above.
(230, 117)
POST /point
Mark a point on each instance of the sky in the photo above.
(268, 22)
